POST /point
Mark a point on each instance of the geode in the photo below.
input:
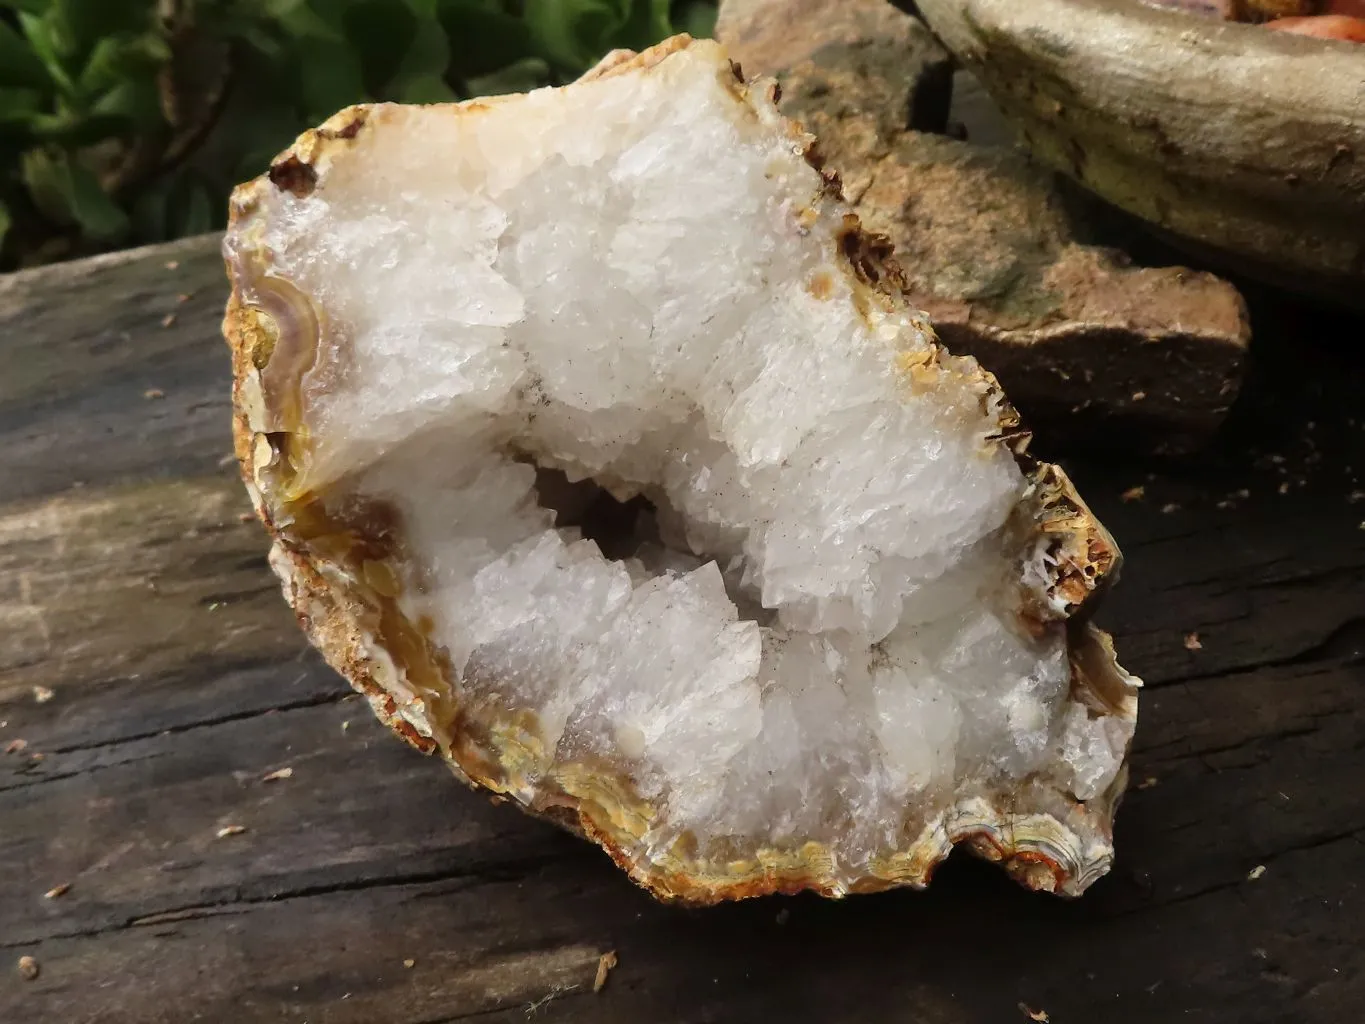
(602, 452)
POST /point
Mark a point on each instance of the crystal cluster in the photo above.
(601, 452)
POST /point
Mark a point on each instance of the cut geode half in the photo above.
(602, 453)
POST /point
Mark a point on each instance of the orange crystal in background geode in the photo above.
(1323, 19)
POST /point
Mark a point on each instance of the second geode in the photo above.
(601, 451)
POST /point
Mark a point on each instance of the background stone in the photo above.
(996, 250)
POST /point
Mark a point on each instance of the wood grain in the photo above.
(131, 590)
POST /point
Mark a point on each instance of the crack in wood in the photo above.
(1352, 835)
(193, 725)
(501, 872)
(1320, 655)
(59, 776)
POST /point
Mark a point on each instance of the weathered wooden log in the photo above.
(151, 681)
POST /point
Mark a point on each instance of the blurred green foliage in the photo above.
(124, 122)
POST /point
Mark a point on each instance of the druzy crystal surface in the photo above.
(687, 508)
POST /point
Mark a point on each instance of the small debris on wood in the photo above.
(230, 830)
(1355, 496)
(28, 968)
(277, 774)
(1169, 507)
(1284, 487)
(1134, 494)
(1032, 1014)
(1138, 396)
(42, 694)
(151, 394)
(346, 725)
(184, 297)
(554, 993)
(1193, 643)
(604, 965)
(227, 460)
(36, 757)
(1256, 872)
(409, 963)
(168, 320)
(245, 517)
(172, 264)
(1148, 782)
(57, 890)
(16, 746)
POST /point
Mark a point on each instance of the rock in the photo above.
(603, 452)
(860, 68)
(1075, 335)
(991, 245)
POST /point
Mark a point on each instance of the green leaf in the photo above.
(646, 23)
(46, 44)
(482, 38)
(277, 9)
(575, 33)
(429, 88)
(97, 214)
(136, 101)
(19, 65)
(20, 106)
(45, 176)
(697, 19)
(86, 73)
(264, 39)
(123, 56)
(255, 126)
(31, 6)
(330, 80)
(66, 192)
(421, 73)
(85, 22)
(381, 32)
(76, 130)
(302, 21)
(333, 12)
(569, 33)
(521, 76)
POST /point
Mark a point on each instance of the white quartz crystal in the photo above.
(635, 281)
